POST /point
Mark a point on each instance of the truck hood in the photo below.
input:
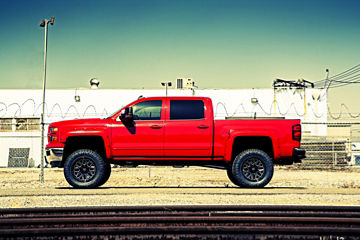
(87, 121)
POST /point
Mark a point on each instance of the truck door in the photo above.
(145, 137)
(188, 130)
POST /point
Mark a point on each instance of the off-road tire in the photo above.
(84, 168)
(106, 174)
(252, 168)
(231, 176)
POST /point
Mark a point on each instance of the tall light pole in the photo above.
(44, 23)
(166, 84)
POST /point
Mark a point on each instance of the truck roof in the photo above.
(176, 97)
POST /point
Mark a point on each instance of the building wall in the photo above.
(19, 140)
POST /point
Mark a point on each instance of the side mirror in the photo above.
(127, 116)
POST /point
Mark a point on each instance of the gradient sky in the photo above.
(139, 43)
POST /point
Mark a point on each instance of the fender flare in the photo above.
(239, 133)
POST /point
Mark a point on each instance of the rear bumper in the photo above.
(298, 154)
(54, 156)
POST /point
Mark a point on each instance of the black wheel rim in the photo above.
(253, 169)
(84, 170)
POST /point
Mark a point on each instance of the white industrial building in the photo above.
(20, 111)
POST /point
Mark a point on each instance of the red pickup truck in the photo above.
(172, 131)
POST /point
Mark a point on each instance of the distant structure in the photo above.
(185, 83)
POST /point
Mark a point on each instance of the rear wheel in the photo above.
(84, 168)
(252, 168)
(231, 175)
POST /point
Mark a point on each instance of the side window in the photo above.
(186, 109)
(150, 110)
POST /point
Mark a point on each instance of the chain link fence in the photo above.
(327, 151)
(20, 143)
(339, 147)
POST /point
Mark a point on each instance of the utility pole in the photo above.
(44, 23)
(327, 77)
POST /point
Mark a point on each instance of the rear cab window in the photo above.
(187, 110)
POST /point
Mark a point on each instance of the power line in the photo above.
(347, 81)
(347, 77)
(348, 72)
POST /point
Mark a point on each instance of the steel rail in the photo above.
(183, 208)
(112, 212)
(179, 219)
(347, 215)
(178, 230)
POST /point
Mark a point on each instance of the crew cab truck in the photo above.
(172, 131)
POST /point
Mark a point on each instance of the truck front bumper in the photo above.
(298, 154)
(54, 156)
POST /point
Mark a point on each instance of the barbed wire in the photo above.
(50, 113)
(72, 111)
(340, 114)
(270, 112)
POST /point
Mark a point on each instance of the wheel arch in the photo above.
(242, 143)
(73, 143)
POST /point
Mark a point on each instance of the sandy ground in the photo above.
(20, 187)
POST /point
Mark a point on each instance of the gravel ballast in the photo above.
(21, 187)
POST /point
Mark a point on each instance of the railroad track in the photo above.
(178, 222)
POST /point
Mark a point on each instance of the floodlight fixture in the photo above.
(166, 85)
(52, 20)
(45, 22)
(77, 98)
(254, 100)
(94, 83)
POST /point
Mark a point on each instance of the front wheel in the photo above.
(84, 168)
(252, 168)
(106, 174)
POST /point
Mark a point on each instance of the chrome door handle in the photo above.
(203, 126)
(156, 126)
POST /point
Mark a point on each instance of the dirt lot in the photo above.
(20, 187)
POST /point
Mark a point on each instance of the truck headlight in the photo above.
(53, 129)
(53, 138)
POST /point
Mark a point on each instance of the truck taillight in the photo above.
(296, 132)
